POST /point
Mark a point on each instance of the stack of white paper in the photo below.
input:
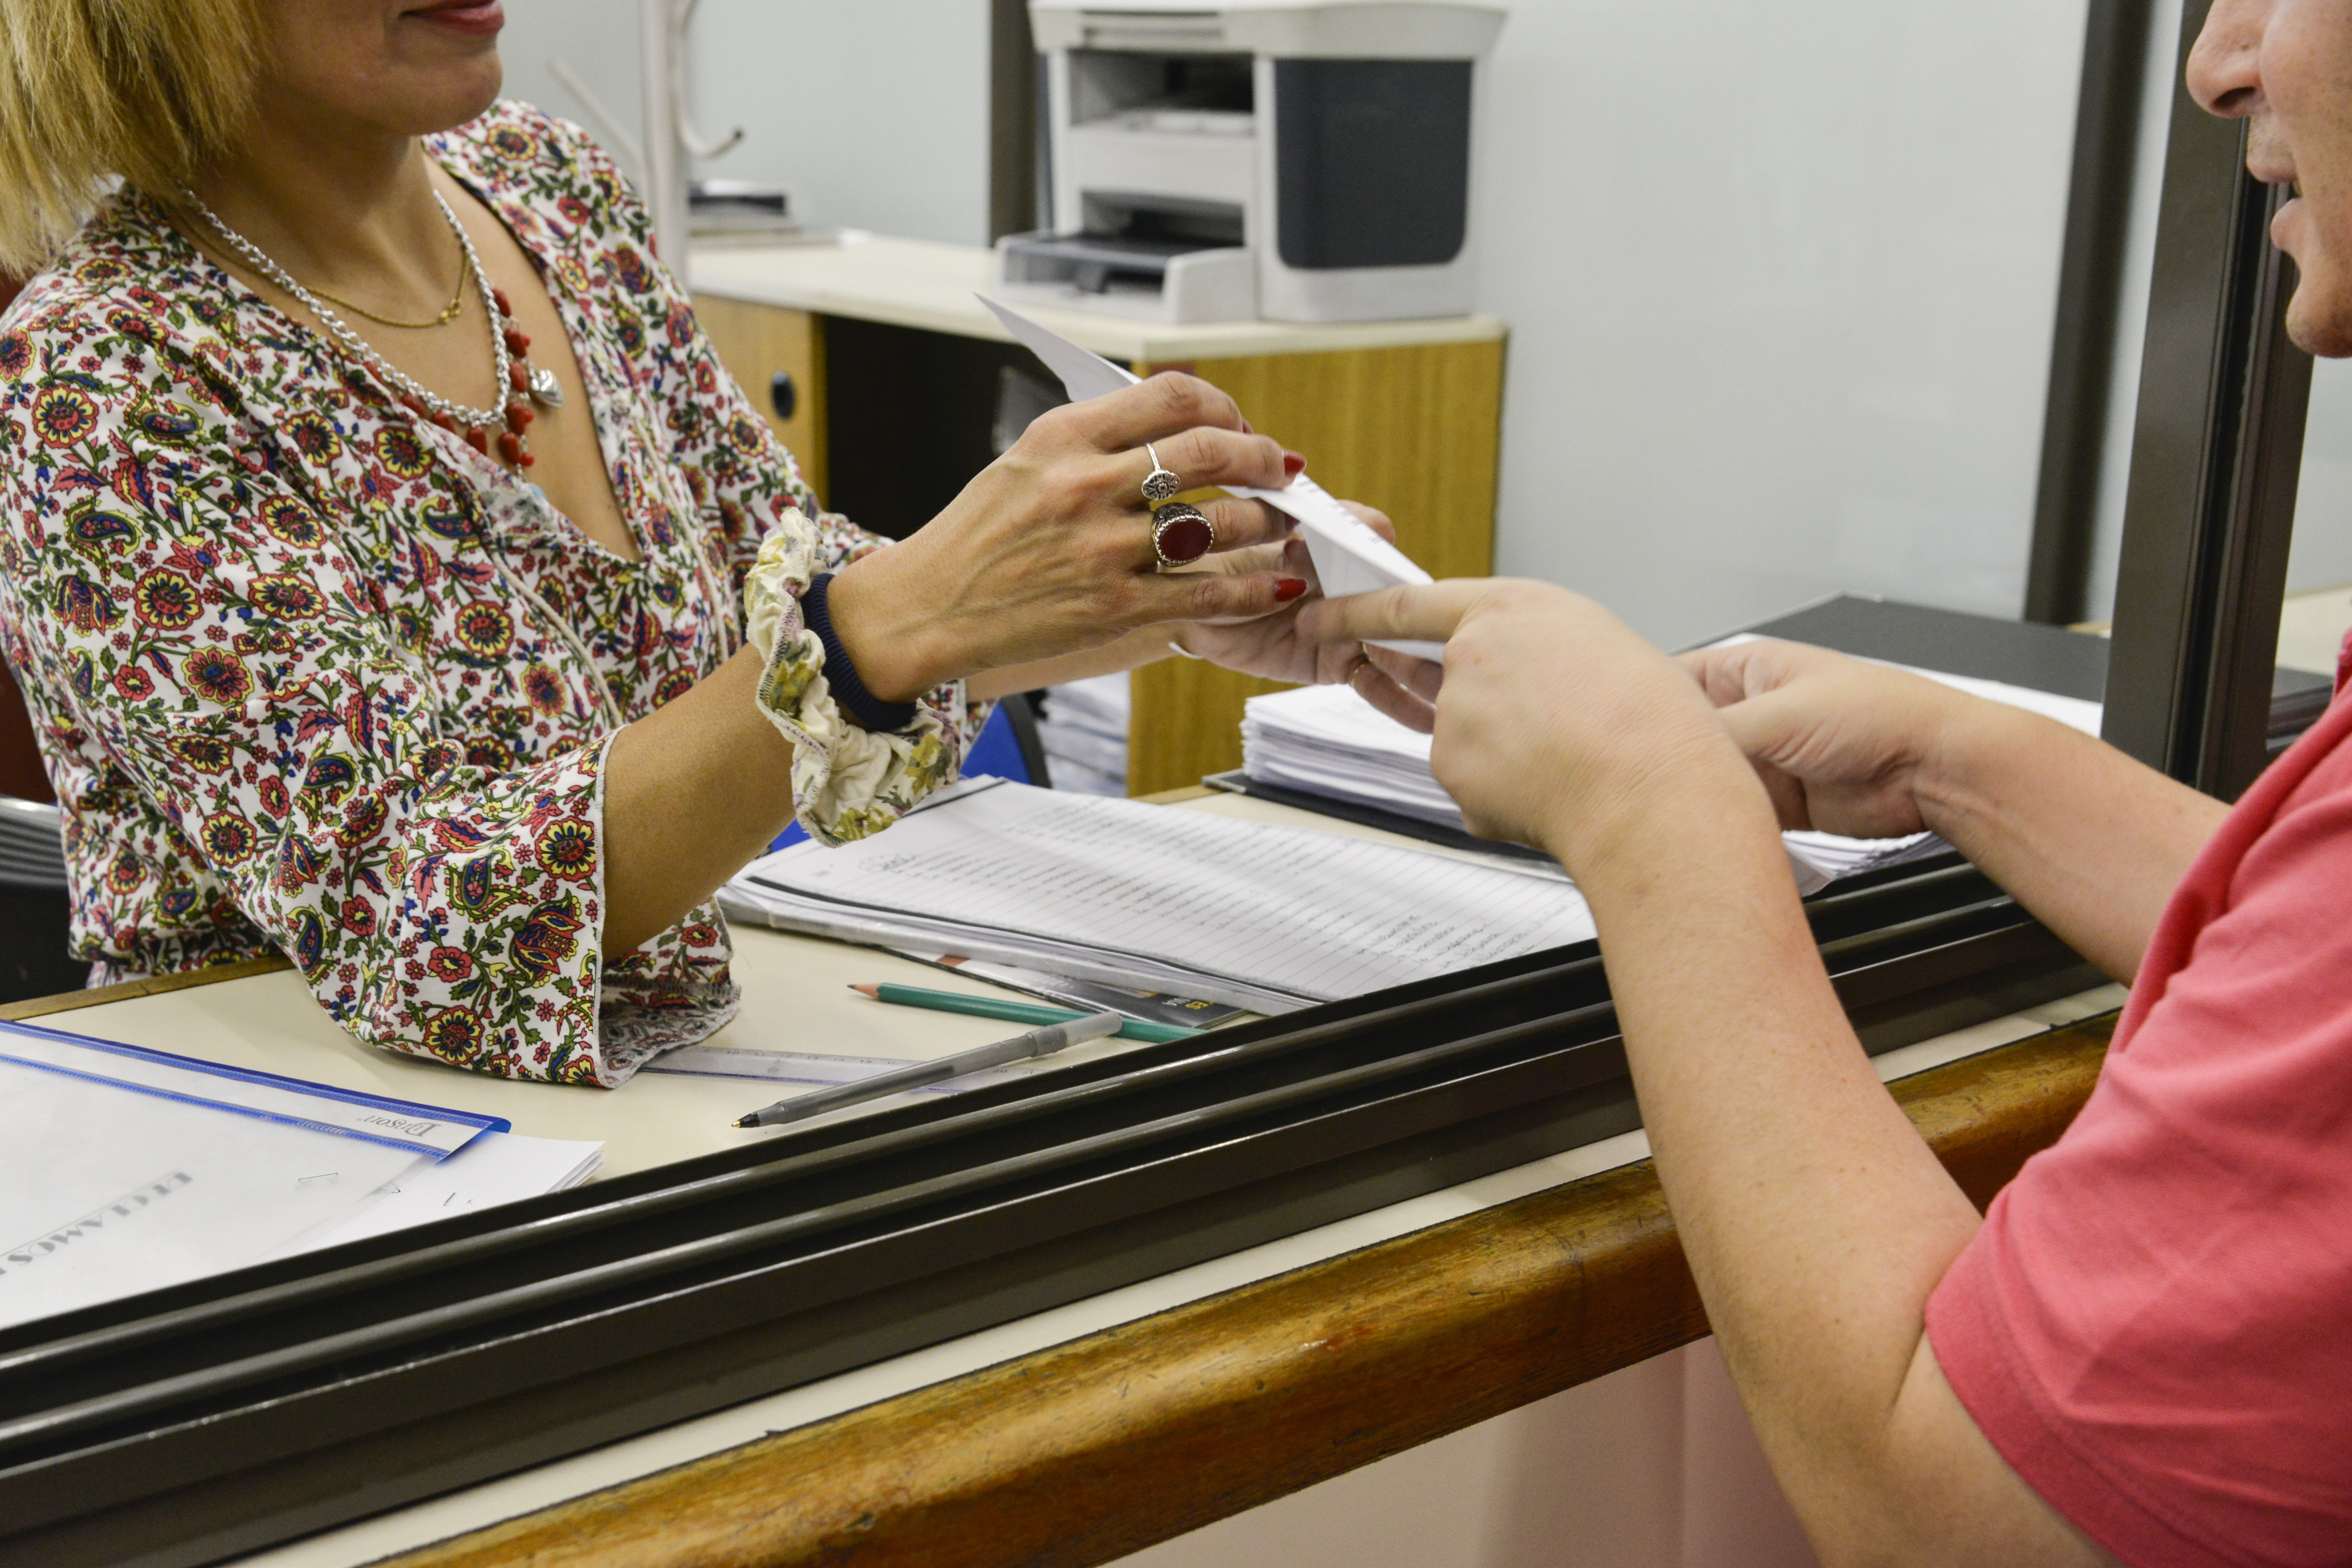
(1327, 740)
(1188, 902)
(32, 845)
(1084, 732)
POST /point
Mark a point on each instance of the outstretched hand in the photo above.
(1553, 722)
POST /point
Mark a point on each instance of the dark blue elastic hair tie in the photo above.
(884, 718)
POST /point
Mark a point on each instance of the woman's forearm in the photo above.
(2089, 840)
(700, 786)
(692, 792)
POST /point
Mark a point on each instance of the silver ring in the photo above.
(1159, 484)
(1169, 517)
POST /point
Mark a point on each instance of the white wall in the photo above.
(2322, 557)
(874, 114)
(1781, 279)
(1780, 273)
(598, 39)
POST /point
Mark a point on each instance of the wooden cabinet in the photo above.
(1415, 431)
(1404, 415)
(759, 343)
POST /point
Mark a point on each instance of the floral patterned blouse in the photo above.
(313, 675)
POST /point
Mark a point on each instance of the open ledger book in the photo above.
(1251, 914)
(1272, 919)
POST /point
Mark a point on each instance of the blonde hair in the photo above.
(91, 92)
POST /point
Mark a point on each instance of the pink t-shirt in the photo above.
(2154, 1324)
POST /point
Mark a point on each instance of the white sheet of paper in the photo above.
(107, 1190)
(1349, 558)
(495, 1168)
(125, 1169)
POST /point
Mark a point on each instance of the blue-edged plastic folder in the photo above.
(125, 1169)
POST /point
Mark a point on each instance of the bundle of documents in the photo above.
(1327, 740)
(1083, 729)
(125, 1170)
(1271, 919)
(32, 845)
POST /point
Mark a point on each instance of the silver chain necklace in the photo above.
(484, 418)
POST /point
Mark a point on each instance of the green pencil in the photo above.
(1011, 1012)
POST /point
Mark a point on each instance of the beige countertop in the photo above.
(922, 283)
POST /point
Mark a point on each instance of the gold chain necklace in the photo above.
(448, 312)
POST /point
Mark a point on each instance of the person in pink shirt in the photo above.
(2143, 1351)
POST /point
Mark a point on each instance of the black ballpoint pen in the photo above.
(1042, 1042)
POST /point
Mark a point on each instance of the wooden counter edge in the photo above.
(99, 995)
(1086, 1451)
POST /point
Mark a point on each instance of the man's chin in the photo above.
(2320, 314)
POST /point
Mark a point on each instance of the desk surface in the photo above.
(921, 283)
(796, 997)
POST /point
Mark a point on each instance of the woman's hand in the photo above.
(1271, 645)
(1843, 745)
(1048, 551)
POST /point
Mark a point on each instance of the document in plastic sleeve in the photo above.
(124, 1170)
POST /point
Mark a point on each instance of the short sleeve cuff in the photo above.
(1970, 1329)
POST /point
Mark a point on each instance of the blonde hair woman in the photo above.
(398, 580)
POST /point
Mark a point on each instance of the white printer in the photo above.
(1290, 159)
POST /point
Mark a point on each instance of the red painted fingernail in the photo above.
(1293, 464)
(1288, 588)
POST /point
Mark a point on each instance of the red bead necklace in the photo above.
(513, 445)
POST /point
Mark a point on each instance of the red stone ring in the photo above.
(1181, 534)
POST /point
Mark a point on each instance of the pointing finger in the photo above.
(1427, 612)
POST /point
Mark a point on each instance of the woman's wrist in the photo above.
(879, 623)
(1680, 788)
(847, 683)
(1967, 747)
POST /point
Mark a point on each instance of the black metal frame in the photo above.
(231, 1413)
(2090, 289)
(2217, 451)
(1012, 119)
